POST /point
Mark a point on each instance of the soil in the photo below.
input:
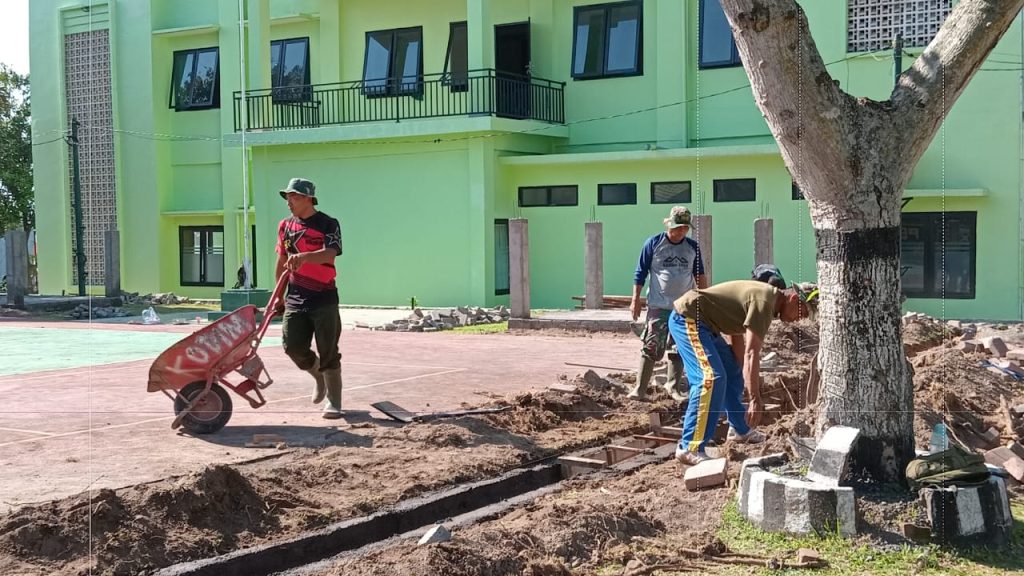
(632, 520)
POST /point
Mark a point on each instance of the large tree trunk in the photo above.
(852, 158)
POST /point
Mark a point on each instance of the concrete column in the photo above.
(701, 232)
(594, 265)
(258, 44)
(112, 263)
(669, 62)
(764, 242)
(519, 267)
(330, 43)
(17, 267)
(480, 34)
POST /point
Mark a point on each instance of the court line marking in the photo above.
(126, 364)
(163, 418)
(26, 431)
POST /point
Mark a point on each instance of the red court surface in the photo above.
(65, 431)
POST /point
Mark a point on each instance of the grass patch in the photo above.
(496, 328)
(851, 557)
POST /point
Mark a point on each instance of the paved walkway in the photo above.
(72, 420)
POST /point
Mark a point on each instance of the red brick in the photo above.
(707, 474)
(1016, 354)
(997, 456)
(995, 345)
(1015, 466)
(1016, 448)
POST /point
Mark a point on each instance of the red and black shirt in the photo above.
(312, 285)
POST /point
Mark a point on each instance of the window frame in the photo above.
(182, 230)
(447, 77)
(719, 181)
(734, 59)
(600, 194)
(393, 84)
(689, 192)
(932, 245)
(291, 92)
(214, 100)
(638, 52)
(508, 263)
(548, 189)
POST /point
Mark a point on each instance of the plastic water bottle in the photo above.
(939, 440)
(149, 316)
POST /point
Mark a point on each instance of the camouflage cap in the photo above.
(302, 187)
(678, 216)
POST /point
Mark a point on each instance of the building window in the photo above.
(736, 190)
(616, 194)
(289, 70)
(670, 193)
(798, 194)
(717, 46)
(202, 255)
(501, 257)
(872, 24)
(195, 79)
(607, 40)
(456, 63)
(937, 254)
(533, 196)
(394, 62)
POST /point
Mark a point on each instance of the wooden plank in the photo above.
(394, 411)
(658, 439)
(584, 462)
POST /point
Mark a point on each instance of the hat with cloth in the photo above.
(810, 296)
(677, 216)
(302, 187)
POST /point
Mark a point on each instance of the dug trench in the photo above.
(635, 519)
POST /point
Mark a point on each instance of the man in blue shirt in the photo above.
(674, 264)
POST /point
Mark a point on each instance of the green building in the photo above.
(426, 125)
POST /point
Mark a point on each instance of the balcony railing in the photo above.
(476, 93)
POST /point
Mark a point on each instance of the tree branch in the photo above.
(927, 91)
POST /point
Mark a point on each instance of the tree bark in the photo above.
(852, 158)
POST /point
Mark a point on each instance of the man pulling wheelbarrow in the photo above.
(307, 244)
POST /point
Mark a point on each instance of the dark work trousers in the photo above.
(298, 329)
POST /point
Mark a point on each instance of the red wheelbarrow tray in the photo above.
(206, 357)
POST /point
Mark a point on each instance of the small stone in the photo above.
(809, 558)
(436, 534)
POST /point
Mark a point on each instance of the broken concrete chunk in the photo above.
(970, 346)
(995, 345)
(436, 534)
(810, 558)
(997, 456)
(1016, 448)
(1015, 468)
(707, 474)
(830, 457)
(916, 533)
(1015, 354)
(991, 435)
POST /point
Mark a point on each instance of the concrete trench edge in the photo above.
(358, 532)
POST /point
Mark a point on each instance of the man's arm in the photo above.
(643, 269)
(279, 266)
(752, 376)
(321, 256)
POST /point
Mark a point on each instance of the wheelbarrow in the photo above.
(195, 371)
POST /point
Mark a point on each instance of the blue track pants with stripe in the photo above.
(716, 382)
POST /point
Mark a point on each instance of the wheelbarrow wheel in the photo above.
(210, 415)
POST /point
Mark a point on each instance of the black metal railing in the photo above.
(478, 92)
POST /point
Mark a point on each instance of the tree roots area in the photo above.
(640, 521)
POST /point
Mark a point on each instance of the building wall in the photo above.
(673, 122)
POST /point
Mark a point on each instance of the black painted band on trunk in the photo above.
(857, 245)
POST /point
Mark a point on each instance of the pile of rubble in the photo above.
(162, 298)
(81, 312)
(443, 319)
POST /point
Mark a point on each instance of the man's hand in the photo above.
(295, 261)
(634, 308)
(754, 412)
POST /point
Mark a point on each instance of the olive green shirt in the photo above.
(732, 307)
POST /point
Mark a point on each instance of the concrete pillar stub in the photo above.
(764, 241)
(701, 232)
(112, 263)
(16, 245)
(594, 265)
(519, 267)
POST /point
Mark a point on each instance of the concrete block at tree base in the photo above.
(996, 346)
(830, 457)
(707, 474)
(969, 515)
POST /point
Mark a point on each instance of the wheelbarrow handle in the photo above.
(276, 298)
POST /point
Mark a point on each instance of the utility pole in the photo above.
(897, 57)
(76, 186)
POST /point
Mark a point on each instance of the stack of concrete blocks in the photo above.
(969, 515)
(816, 505)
